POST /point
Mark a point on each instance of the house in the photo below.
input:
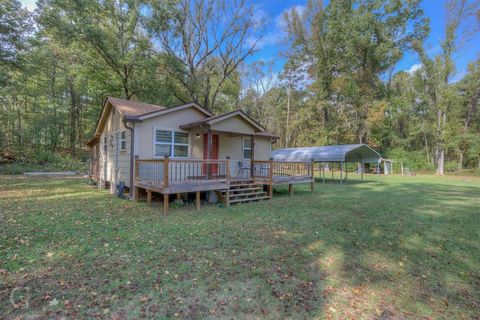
(185, 150)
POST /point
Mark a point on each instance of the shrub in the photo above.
(414, 160)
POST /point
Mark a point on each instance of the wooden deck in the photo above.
(180, 176)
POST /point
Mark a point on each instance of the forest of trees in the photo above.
(339, 83)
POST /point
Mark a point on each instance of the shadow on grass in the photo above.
(407, 248)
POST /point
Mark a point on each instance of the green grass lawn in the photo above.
(408, 247)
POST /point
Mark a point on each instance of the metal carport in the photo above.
(342, 154)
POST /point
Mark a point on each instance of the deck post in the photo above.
(133, 188)
(252, 156)
(137, 194)
(197, 200)
(179, 196)
(270, 178)
(209, 151)
(227, 169)
(165, 204)
(149, 197)
(290, 189)
(165, 171)
(227, 197)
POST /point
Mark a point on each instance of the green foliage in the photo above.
(414, 160)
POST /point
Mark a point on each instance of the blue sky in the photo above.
(270, 46)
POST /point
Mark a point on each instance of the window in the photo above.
(105, 143)
(247, 148)
(171, 143)
(123, 141)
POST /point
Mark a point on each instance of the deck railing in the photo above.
(269, 170)
(176, 171)
(292, 169)
(173, 171)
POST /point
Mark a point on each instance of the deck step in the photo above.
(239, 191)
(261, 193)
(249, 199)
(243, 189)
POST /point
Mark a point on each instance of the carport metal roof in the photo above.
(337, 153)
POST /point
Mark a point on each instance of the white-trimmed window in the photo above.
(171, 143)
(247, 148)
(123, 140)
(105, 144)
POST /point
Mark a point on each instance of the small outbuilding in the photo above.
(329, 155)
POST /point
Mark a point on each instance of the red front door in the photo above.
(214, 153)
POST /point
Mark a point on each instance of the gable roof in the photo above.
(136, 111)
(132, 108)
(224, 116)
(174, 108)
(335, 153)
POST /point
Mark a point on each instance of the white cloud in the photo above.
(280, 22)
(30, 4)
(415, 67)
(277, 32)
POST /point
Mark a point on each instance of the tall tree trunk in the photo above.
(73, 117)
(440, 151)
(287, 131)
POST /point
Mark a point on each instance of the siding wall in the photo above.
(114, 164)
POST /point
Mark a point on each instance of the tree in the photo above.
(15, 25)
(110, 29)
(207, 41)
(437, 75)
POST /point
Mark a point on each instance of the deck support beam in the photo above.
(197, 200)
(290, 189)
(149, 197)
(165, 204)
(227, 198)
(137, 194)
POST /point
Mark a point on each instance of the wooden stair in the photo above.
(242, 191)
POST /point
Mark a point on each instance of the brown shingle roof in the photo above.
(133, 108)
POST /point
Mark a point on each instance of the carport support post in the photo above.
(346, 171)
(331, 168)
(313, 176)
(341, 172)
(323, 172)
(361, 169)
(378, 172)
